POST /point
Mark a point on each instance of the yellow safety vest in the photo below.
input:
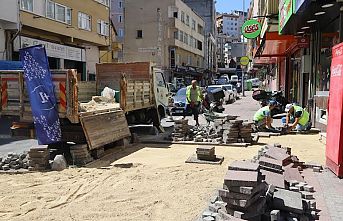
(304, 118)
(260, 114)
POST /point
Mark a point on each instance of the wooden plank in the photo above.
(104, 127)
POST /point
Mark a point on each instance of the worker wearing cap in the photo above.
(298, 117)
(262, 117)
(194, 97)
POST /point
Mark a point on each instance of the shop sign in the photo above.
(285, 12)
(251, 29)
(303, 42)
(298, 4)
(244, 61)
(52, 49)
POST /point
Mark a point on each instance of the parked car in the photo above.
(179, 103)
(228, 96)
(255, 82)
(223, 80)
(232, 90)
(234, 79)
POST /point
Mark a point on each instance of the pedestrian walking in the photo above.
(194, 98)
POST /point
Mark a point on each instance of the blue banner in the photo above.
(40, 88)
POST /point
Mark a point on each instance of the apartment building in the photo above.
(9, 25)
(207, 10)
(73, 32)
(228, 24)
(167, 32)
(117, 17)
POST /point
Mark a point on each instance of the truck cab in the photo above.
(161, 90)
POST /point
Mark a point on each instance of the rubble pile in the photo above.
(80, 154)
(14, 161)
(39, 158)
(270, 187)
(226, 131)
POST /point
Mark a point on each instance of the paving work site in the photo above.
(151, 182)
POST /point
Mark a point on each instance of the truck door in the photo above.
(162, 92)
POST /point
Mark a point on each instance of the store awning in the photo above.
(275, 45)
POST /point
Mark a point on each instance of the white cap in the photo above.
(288, 107)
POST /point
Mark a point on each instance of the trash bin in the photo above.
(249, 85)
(117, 96)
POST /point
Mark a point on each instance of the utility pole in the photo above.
(159, 39)
(243, 52)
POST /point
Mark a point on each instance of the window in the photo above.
(200, 45)
(50, 9)
(175, 15)
(183, 17)
(85, 21)
(58, 12)
(120, 18)
(185, 40)
(193, 24)
(176, 34)
(26, 5)
(181, 35)
(200, 29)
(121, 32)
(120, 4)
(103, 28)
(187, 20)
(139, 34)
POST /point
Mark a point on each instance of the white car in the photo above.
(228, 95)
(232, 90)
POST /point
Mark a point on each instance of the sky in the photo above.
(229, 5)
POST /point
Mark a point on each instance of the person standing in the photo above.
(262, 118)
(194, 98)
(297, 117)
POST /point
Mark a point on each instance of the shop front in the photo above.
(59, 56)
(318, 22)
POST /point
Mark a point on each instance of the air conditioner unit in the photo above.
(305, 64)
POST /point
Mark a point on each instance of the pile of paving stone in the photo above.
(181, 130)
(206, 153)
(39, 158)
(227, 131)
(270, 187)
(14, 161)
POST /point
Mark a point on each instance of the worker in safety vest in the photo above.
(298, 117)
(262, 117)
(194, 98)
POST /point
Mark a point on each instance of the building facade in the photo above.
(117, 18)
(9, 26)
(228, 24)
(73, 32)
(207, 10)
(168, 33)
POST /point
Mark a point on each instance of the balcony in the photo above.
(117, 46)
(271, 7)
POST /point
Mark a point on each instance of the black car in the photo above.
(179, 103)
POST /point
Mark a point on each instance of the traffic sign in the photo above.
(244, 60)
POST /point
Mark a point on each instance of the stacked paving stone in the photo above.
(80, 154)
(206, 153)
(271, 187)
(231, 131)
(245, 132)
(39, 158)
(181, 130)
(14, 161)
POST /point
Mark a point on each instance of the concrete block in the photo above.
(317, 169)
(306, 195)
(206, 213)
(300, 187)
(293, 188)
(275, 215)
(6, 167)
(213, 208)
(244, 166)
(293, 182)
(288, 201)
(274, 179)
(309, 188)
(272, 163)
(238, 214)
(292, 174)
(278, 154)
(214, 198)
(241, 178)
(313, 205)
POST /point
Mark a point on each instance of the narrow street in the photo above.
(159, 185)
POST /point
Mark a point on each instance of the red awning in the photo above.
(276, 45)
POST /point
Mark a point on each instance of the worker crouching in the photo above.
(297, 118)
(262, 118)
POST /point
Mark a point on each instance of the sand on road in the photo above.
(160, 186)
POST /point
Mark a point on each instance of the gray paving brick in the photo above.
(241, 178)
(288, 201)
(244, 166)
